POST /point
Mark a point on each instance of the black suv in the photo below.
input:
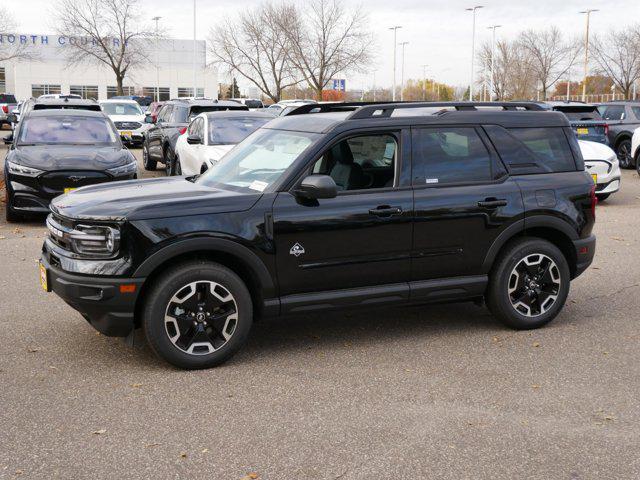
(159, 144)
(353, 206)
(622, 118)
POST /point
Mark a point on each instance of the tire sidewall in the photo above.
(500, 302)
(157, 301)
(625, 163)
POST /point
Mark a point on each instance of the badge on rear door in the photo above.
(296, 250)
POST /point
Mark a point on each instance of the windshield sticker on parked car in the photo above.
(258, 185)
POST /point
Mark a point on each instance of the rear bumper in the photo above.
(585, 251)
(98, 299)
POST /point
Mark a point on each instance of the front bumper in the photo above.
(585, 251)
(133, 137)
(98, 299)
(608, 175)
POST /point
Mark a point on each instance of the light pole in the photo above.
(195, 89)
(473, 48)
(157, 19)
(402, 44)
(395, 32)
(493, 59)
(586, 52)
(374, 85)
(424, 82)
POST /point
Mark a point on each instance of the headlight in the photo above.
(88, 240)
(22, 170)
(127, 169)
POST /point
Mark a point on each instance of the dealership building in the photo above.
(167, 72)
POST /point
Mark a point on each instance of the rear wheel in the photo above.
(177, 170)
(623, 151)
(148, 164)
(197, 315)
(169, 162)
(529, 284)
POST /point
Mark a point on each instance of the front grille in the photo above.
(127, 125)
(59, 180)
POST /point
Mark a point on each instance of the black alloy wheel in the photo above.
(147, 163)
(624, 154)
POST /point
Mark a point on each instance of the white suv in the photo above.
(602, 163)
(128, 118)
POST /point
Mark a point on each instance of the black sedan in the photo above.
(56, 151)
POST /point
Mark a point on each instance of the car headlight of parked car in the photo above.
(126, 169)
(22, 170)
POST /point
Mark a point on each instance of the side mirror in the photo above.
(12, 118)
(315, 187)
(148, 119)
(194, 140)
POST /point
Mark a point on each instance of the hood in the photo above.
(70, 157)
(216, 152)
(595, 151)
(127, 118)
(151, 198)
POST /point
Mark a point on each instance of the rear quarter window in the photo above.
(533, 150)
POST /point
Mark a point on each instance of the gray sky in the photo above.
(438, 32)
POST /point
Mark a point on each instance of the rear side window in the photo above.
(549, 145)
(636, 112)
(449, 155)
(7, 98)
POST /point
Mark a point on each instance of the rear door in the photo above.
(464, 200)
(154, 134)
(362, 237)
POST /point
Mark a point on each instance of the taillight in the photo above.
(182, 130)
(5, 109)
(606, 129)
(594, 201)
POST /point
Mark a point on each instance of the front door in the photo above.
(463, 201)
(361, 238)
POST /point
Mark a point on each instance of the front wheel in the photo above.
(147, 163)
(529, 284)
(197, 315)
(624, 154)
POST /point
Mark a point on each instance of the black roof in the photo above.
(343, 116)
(75, 103)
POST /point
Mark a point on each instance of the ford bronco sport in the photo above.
(332, 206)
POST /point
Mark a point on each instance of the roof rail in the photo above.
(387, 109)
(331, 107)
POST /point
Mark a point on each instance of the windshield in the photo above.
(60, 130)
(259, 161)
(229, 131)
(121, 109)
(253, 103)
(580, 113)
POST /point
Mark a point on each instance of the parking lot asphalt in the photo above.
(416, 393)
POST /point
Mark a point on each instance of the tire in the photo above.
(505, 288)
(169, 161)
(181, 340)
(10, 215)
(602, 196)
(623, 151)
(147, 163)
(177, 166)
(638, 162)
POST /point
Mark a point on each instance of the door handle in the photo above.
(492, 203)
(385, 211)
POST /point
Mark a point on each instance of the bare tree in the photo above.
(16, 50)
(549, 56)
(104, 32)
(325, 40)
(617, 56)
(513, 77)
(253, 48)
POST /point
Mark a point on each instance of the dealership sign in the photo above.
(61, 40)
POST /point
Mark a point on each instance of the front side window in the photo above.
(123, 108)
(229, 131)
(69, 130)
(362, 162)
(259, 161)
(449, 155)
(165, 113)
(179, 115)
